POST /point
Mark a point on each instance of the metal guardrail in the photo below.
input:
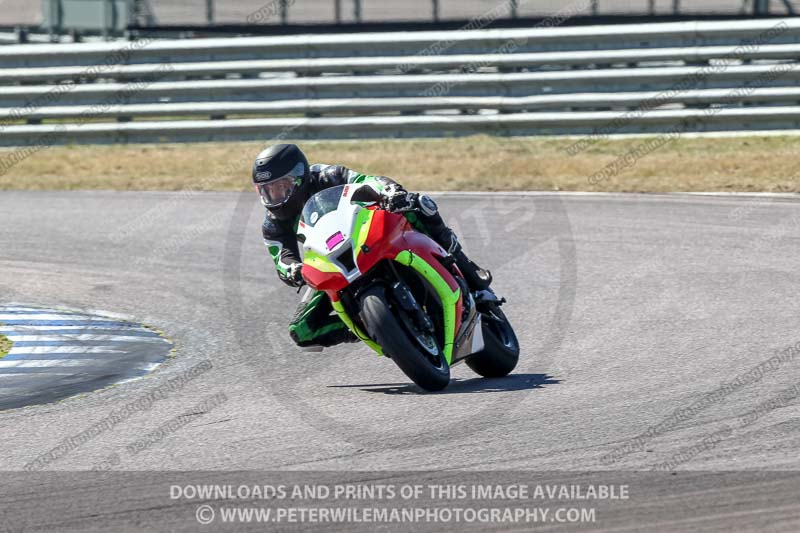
(399, 126)
(557, 80)
(355, 87)
(681, 34)
(313, 107)
(373, 65)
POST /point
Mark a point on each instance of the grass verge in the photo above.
(5, 346)
(477, 163)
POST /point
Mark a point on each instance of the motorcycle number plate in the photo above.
(334, 240)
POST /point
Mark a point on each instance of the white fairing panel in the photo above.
(477, 337)
(331, 234)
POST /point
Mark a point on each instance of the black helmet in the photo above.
(281, 174)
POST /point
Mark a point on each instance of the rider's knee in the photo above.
(299, 335)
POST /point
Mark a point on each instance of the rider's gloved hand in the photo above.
(396, 199)
(295, 275)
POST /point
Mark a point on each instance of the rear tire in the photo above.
(500, 353)
(385, 328)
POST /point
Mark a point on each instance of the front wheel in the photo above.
(418, 356)
(501, 347)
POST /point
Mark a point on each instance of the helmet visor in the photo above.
(276, 192)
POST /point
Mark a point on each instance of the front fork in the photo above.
(402, 295)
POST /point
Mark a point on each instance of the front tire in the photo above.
(500, 353)
(386, 329)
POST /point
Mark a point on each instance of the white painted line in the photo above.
(53, 316)
(98, 314)
(80, 328)
(44, 363)
(17, 308)
(147, 368)
(64, 349)
(788, 195)
(85, 337)
(111, 316)
(25, 376)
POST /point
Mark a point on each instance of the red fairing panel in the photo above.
(384, 240)
(330, 282)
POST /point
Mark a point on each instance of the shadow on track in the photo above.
(513, 382)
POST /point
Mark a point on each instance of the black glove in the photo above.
(295, 275)
(396, 199)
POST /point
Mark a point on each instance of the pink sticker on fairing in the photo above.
(334, 240)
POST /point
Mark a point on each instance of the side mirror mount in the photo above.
(366, 195)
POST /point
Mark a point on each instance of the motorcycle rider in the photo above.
(285, 180)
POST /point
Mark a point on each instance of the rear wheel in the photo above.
(416, 353)
(501, 347)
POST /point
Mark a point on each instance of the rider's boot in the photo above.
(479, 279)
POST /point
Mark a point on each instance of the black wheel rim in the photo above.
(426, 341)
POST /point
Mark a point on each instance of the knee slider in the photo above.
(296, 338)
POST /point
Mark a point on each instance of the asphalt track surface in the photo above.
(633, 311)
